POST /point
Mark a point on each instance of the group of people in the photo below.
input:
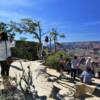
(6, 43)
(73, 67)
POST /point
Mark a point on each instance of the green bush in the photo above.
(25, 50)
(52, 60)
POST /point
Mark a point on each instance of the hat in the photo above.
(89, 57)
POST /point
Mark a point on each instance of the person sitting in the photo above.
(86, 76)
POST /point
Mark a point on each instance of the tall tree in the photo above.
(31, 27)
(54, 36)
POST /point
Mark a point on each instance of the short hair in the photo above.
(88, 69)
(4, 36)
(75, 57)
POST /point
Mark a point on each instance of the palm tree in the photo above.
(54, 36)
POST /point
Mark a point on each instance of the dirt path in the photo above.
(40, 80)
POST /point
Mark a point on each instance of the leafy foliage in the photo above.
(27, 26)
(7, 29)
(25, 50)
(52, 60)
(54, 36)
(31, 27)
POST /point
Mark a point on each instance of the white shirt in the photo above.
(3, 53)
(45, 44)
(75, 64)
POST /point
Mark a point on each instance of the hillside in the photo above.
(83, 45)
(91, 48)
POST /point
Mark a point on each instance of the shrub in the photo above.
(25, 50)
(52, 60)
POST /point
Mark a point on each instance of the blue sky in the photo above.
(79, 20)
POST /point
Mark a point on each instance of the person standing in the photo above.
(74, 67)
(67, 65)
(89, 62)
(61, 63)
(5, 53)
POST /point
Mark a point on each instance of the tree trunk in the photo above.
(50, 44)
(55, 45)
(40, 42)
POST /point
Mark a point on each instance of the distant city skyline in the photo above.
(79, 20)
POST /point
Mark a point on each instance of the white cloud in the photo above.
(35, 4)
(10, 8)
(15, 3)
(11, 15)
